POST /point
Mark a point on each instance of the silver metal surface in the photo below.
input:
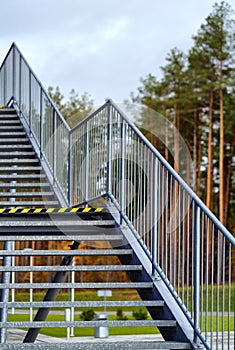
(117, 345)
(92, 324)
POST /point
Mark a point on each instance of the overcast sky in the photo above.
(102, 47)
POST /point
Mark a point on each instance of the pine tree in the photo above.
(215, 39)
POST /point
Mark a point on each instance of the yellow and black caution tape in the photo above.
(49, 210)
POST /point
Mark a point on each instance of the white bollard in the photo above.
(67, 319)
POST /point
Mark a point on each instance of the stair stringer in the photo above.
(160, 291)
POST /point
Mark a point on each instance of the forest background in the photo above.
(196, 92)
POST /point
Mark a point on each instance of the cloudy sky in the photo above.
(102, 47)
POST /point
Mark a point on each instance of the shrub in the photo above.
(87, 315)
(140, 314)
(120, 315)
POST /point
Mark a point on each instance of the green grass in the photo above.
(82, 332)
(132, 295)
(124, 295)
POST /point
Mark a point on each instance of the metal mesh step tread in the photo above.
(12, 133)
(8, 127)
(22, 177)
(95, 285)
(99, 304)
(25, 168)
(86, 237)
(52, 252)
(73, 268)
(11, 236)
(8, 117)
(8, 113)
(7, 110)
(26, 194)
(24, 185)
(91, 324)
(100, 345)
(13, 140)
(17, 147)
(28, 203)
(10, 123)
(18, 161)
(16, 154)
(54, 223)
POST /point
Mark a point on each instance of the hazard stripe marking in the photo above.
(49, 210)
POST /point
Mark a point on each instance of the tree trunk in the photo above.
(167, 136)
(176, 139)
(228, 183)
(210, 154)
(221, 153)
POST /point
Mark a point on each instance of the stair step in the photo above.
(20, 169)
(13, 177)
(9, 117)
(12, 134)
(24, 185)
(7, 155)
(11, 123)
(54, 223)
(25, 194)
(13, 141)
(86, 252)
(9, 128)
(18, 161)
(8, 113)
(92, 285)
(104, 345)
(7, 110)
(86, 268)
(28, 204)
(15, 147)
(100, 303)
(81, 233)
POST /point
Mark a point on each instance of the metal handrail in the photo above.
(15, 47)
(179, 179)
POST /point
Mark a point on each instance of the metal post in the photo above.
(72, 300)
(109, 151)
(69, 170)
(41, 126)
(31, 282)
(155, 218)
(122, 170)
(4, 84)
(54, 146)
(13, 72)
(20, 75)
(196, 268)
(30, 97)
(13, 279)
(6, 277)
(86, 162)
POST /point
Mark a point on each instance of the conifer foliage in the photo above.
(197, 94)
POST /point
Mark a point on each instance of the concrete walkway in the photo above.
(17, 336)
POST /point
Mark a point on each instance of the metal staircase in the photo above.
(24, 188)
(102, 190)
(22, 179)
(91, 227)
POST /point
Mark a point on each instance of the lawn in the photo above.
(117, 295)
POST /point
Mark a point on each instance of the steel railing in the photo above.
(106, 155)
